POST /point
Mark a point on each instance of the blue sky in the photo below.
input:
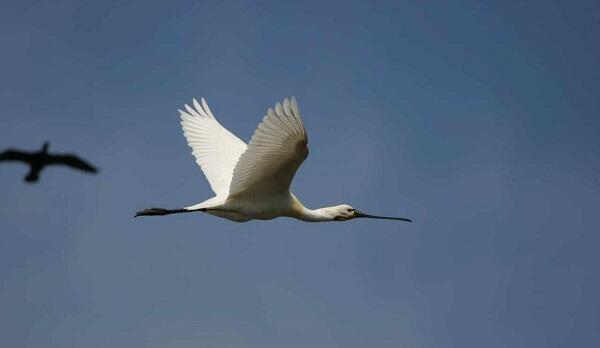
(477, 120)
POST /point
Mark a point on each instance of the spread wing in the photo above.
(276, 150)
(215, 148)
(71, 161)
(15, 155)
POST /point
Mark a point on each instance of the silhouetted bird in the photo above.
(39, 160)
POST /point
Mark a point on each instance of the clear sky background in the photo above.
(479, 120)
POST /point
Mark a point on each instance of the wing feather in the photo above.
(216, 149)
(72, 161)
(274, 154)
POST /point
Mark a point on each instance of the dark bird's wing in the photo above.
(71, 161)
(15, 155)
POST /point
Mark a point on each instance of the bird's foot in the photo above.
(152, 212)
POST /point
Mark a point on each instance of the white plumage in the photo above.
(253, 181)
(216, 149)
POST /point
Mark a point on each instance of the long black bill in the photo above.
(360, 214)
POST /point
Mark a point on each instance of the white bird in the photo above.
(253, 181)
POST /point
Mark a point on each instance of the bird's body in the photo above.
(241, 210)
(38, 160)
(252, 182)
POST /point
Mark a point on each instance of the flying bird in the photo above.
(252, 181)
(37, 161)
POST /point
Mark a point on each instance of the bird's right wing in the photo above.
(71, 161)
(215, 148)
(276, 150)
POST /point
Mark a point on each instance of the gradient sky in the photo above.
(479, 120)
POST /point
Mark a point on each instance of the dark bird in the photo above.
(37, 161)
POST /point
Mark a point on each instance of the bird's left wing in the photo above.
(275, 152)
(71, 161)
(215, 148)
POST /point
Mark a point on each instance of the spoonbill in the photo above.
(39, 160)
(253, 181)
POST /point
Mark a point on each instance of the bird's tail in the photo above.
(163, 211)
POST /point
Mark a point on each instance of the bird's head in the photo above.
(346, 212)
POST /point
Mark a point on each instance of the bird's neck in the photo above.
(316, 215)
(300, 212)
